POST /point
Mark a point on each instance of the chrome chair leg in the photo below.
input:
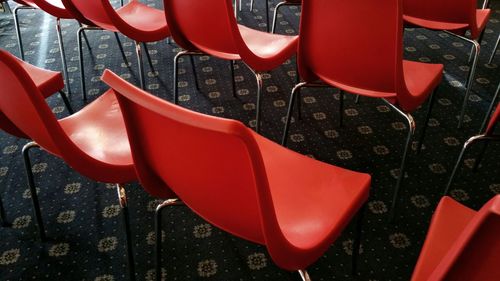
(251, 5)
(239, 6)
(490, 110)
(63, 54)
(468, 143)
(176, 64)
(357, 240)
(122, 198)
(470, 77)
(356, 100)
(411, 131)
(233, 83)
(275, 15)
(119, 42)
(194, 73)
(158, 227)
(86, 39)
(304, 275)
(64, 97)
(138, 52)
(79, 33)
(32, 187)
(494, 50)
(258, 78)
(148, 56)
(425, 124)
(18, 28)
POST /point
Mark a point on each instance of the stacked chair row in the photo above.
(136, 139)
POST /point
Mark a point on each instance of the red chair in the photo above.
(294, 205)
(135, 20)
(488, 135)
(368, 64)
(279, 5)
(92, 141)
(454, 17)
(461, 244)
(189, 20)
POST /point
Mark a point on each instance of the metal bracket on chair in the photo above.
(122, 195)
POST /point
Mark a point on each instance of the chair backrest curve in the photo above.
(202, 25)
(93, 11)
(211, 163)
(451, 11)
(24, 106)
(475, 254)
(355, 44)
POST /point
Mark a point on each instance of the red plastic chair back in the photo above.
(352, 45)
(451, 11)
(52, 7)
(494, 120)
(202, 25)
(24, 105)
(212, 164)
(93, 11)
(475, 254)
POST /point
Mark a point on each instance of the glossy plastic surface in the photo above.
(93, 141)
(48, 82)
(135, 19)
(494, 120)
(238, 180)
(461, 244)
(452, 15)
(210, 27)
(369, 63)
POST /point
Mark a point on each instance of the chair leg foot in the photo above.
(32, 187)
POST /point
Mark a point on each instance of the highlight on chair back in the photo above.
(368, 64)
(461, 244)
(56, 9)
(189, 21)
(92, 141)
(278, 6)
(294, 205)
(48, 83)
(135, 20)
(486, 135)
(454, 17)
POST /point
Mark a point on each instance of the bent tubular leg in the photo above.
(258, 78)
(158, 227)
(427, 115)
(32, 187)
(18, 28)
(304, 275)
(138, 52)
(494, 50)
(148, 56)
(63, 54)
(275, 15)
(79, 33)
(119, 42)
(357, 240)
(66, 102)
(122, 198)
(411, 131)
(194, 73)
(470, 77)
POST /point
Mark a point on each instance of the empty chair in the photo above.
(461, 244)
(209, 27)
(370, 63)
(135, 20)
(92, 141)
(455, 17)
(244, 183)
(486, 135)
(281, 4)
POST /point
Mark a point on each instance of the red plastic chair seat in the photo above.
(99, 130)
(420, 79)
(47, 81)
(482, 16)
(448, 222)
(330, 194)
(267, 45)
(144, 18)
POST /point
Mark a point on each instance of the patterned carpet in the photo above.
(82, 217)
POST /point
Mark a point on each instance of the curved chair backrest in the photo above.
(212, 164)
(451, 11)
(24, 105)
(94, 11)
(52, 7)
(353, 45)
(202, 25)
(475, 254)
(494, 120)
